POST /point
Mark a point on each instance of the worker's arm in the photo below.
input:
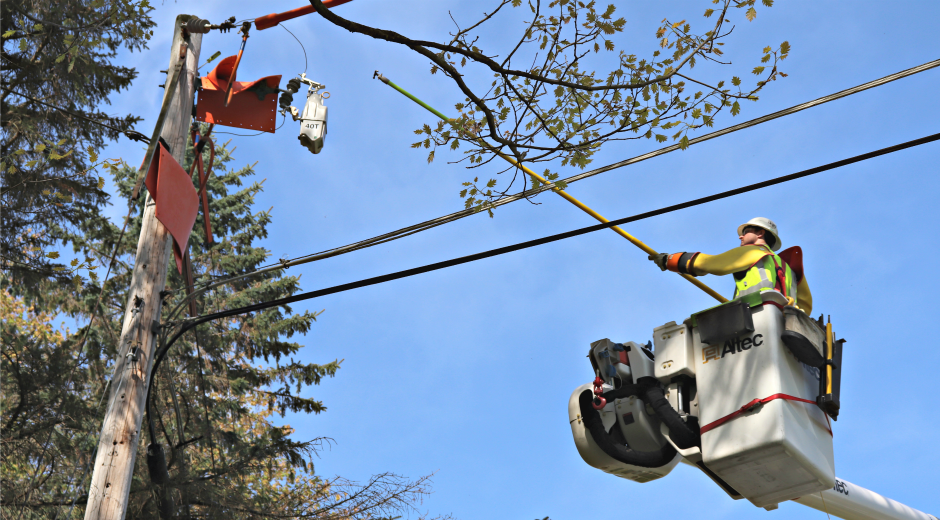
(737, 259)
(698, 264)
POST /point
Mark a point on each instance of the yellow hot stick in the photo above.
(635, 241)
(649, 250)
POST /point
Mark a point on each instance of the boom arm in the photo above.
(851, 502)
(270, 20)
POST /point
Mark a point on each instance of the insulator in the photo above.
(197, 25)
(285, 100)
(293, 85)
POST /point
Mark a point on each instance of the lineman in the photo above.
(755, 265)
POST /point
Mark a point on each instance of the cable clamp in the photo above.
(134, 135)
(598, 402)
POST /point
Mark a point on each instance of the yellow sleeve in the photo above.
(728, 262)
(804, 297)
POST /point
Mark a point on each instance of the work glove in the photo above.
(660, 260)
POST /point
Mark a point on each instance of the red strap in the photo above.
(204, 177)
(781, 283)
(753, 404)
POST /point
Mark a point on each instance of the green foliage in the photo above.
(60, 52)
(578, 90)
(214, 397)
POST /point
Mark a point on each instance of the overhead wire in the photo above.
(131, 134)
(301, 45)
(191, 323)
(555, 188)
(428, 224)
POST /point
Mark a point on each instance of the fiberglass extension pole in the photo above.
(583, 207)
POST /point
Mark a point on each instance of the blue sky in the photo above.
(466, 372)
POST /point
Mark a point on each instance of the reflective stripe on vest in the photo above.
(762, 276)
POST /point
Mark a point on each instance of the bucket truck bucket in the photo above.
(761, 430)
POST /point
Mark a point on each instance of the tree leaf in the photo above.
(751, 14)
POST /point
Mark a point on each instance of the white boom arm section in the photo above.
(851, 502)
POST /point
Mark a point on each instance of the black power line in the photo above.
(131, 134)
(189, 324)
(156, 468)
(428, 224)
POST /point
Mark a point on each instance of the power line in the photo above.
(191, 323)
(428, 224)
(301, 45)
(131, 134)
(763, 119)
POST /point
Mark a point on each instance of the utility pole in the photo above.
(120, 432)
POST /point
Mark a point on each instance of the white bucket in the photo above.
(781, 449)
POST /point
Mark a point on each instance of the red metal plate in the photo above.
(175, 196)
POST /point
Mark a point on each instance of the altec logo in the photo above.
(732, 346)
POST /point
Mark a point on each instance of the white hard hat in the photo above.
(767, 225)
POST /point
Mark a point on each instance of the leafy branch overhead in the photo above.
(547, 103)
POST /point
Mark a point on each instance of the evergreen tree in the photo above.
(213, 398)
(58, 53)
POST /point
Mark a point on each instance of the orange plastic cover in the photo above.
(253, 105)
(175, 196)
(794, 258)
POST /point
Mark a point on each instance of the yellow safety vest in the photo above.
(763, 276)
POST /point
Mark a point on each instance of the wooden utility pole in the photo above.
(120, 433)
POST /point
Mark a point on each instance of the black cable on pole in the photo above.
(131, 134)
(190, 324)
